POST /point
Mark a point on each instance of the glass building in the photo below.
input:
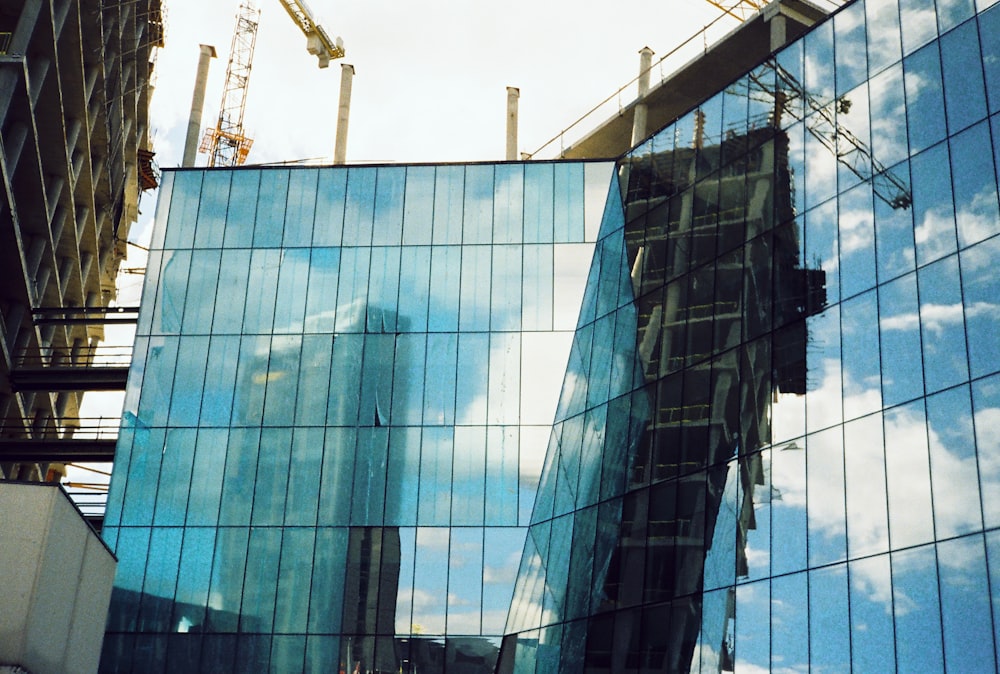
(777, 443)
(343, 386)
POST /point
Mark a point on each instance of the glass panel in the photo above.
(434, 507)
(986, 403)
(212, 209)
(872, 636)
(468, 476)
(975, 186)
(270, 222)
(292, 598)
(161, 577)
(823, 355)
(189, 379)
(825, 488)
(861, 367)
(418, 210)
(337, 479)
(414, 284)
(916, 609)
(965, 606)
(303, 486)
(919, 23)
(439, 390)
(301, 208)
(507, 205)
(908, 483)
(954, 475)
(899, 326)
(965, 95)
(241, 471)
(941, 325)
(261, 585)
(475, 289)
(788, 507)
(477, 222)
(388, 226)
(857, 241)
(233, 277)
(829, 624)
(501, 476)
(262, 287)
(175, 477)
(568, 201)
(272, 476)
(449, 186)
(989, 34)
(330, 197)
(883, 33)
(924, 97)
(867, 507)
(242, 209)
(431, 580)
(183, 214)
(282, 370)
(465, 581)
(193, 580)
(789, 623)
(209, 467)
(446, 270)
(329, 562)
(359, 208)
(370, 468)
(887, 109)
(851, 65)
(953, 12)
(403, 474)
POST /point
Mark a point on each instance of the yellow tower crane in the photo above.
(226, 143)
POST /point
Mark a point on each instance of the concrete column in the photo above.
(641, 109)
(197, 105)
(513, 94)
(779, 31)
(343, 113)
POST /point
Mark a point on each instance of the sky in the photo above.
(430, 85)
(431, 75)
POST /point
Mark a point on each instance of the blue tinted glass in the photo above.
(975, 186)
(883, 33)
(924, 98)
(270, 222)
(300, 209)
(941, 326)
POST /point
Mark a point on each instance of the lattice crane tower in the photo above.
(226, 144)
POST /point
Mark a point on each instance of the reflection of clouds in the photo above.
(956, 508)
(939, 317)
(932, 235)
(505, 574)
(977, 218)
(856, 231)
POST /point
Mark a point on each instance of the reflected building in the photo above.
(337, 414)
(764, 402)
(775, 445)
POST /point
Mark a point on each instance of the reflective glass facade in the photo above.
(777, 443)
(343, 387)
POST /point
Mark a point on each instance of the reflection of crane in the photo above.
(821, 123)
(318, 43)
(226, 144)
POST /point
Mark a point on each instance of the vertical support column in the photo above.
(197, 105)
(513, 94)
(343, 113)
(641, 109)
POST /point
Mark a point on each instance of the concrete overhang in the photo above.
(726, 60)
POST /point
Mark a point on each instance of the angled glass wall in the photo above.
(343, 385)
(776, 447)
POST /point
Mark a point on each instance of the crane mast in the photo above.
(226, 144)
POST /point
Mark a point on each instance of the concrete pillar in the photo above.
(779, 31)
(513, 94)
(639, 116)
(343, 113)
(197, 105)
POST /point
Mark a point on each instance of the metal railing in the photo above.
(102, 355)
(693, 47)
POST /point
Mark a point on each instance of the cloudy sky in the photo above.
(431, 75)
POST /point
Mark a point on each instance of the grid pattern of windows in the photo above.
(343, 383)
(777, 445)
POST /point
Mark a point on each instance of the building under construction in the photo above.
(74, 96)
(74, 159)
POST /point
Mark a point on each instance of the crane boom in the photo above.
(318, 42)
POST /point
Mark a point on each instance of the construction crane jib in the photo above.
(318, 42)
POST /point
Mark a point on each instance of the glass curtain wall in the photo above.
(776, 446)
(343, 384)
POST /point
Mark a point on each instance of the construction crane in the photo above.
(226, 144)
(740, 10)
(318, 42)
